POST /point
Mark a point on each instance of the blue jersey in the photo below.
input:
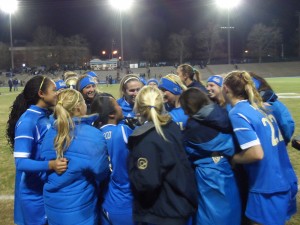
(179, 117)
(71, 197)
(117, 204)
(127, 109)
(251, 128)
(29, 132)
(118, 196)
(284, 119)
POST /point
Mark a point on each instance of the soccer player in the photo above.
(172, 87)
(210, 147)
(187, 75)
(117, 203)
(72, 197)
(27, 125)
(258, 136)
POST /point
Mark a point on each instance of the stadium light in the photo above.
(228, 5)
(121, 5)
(10, 6)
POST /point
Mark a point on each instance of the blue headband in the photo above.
(60, 84)
(85, 82)
(92, 74)
(256, 82)
(170, 86)
(218, 80)
(152, 80)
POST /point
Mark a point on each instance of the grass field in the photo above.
(287, 88)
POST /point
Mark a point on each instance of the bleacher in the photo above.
(280, 69)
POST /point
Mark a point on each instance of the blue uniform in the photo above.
(269, 190)
(29, 132)
(118, 198)
(127, 109)
(208, 148)
(71, 198)
(280, 111)
(179, 117)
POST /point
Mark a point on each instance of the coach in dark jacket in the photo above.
(162, 179)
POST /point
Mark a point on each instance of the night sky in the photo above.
(99, 22)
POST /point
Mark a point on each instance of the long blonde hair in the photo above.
(68, 101)
(176, 79)
(242, 86)
(150, 105)
(191, 72)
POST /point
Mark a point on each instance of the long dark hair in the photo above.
(103, 105)
(29, 96)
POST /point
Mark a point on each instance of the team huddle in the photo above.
(169, 152)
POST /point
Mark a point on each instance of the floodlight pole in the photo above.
(11, 44)
(228, 36)
(121, 34)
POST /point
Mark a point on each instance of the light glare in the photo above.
(121, 5)
(8, 6)
(228, 4)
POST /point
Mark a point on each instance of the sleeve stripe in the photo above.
(124, 135)
(28, 137)
(238, 129)
(250, 144)
(244, 117)
(21, 154)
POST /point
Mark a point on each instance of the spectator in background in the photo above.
(15, 83)
(10, 84)
(187, 75)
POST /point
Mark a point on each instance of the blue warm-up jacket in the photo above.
(71, 198)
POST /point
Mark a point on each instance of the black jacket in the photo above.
(163, 182)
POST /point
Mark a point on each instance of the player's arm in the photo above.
(249, 155)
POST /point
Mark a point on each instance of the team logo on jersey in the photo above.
(216, 157)
(142, 163)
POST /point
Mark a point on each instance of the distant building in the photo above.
(97, 64)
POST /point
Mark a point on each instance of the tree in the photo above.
(180, 45)
(209, 43)
(264, 41)
(44, 36)
(4, 56)
(151, 50)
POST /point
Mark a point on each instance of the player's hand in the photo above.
(59, 165)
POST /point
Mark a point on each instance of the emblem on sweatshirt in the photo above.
(142, 163)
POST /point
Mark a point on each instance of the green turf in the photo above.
(280, 85)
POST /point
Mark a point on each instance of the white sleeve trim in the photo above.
(242, 128)
(250, 144)
(21, 154)
(124, 135)
(23, 136)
